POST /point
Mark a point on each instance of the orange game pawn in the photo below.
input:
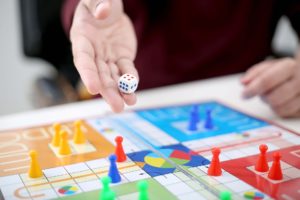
(275, 172)
(64, 147)
(262, 163)
(35, 170)
(121, 156)
(215, 166)
(56, 137)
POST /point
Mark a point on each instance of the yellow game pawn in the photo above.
(64, 147)
(79, 137)
(56, 137)
(35, 169)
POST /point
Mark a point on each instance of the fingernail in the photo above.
(102, 9)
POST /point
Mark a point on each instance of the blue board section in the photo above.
(175, 120)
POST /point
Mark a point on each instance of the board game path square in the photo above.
(76, 168)
(8, 180)
(238, 186)
(136, 175)
(57, 171)
(90, 185)
(46, 194)
(9, 190)
(179, 188)
(97, 163)
(167, 179)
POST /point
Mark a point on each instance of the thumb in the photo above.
(100, 9)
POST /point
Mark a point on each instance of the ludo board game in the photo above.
(169, 148)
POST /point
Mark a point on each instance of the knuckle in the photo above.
(265, 82)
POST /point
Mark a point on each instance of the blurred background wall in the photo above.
(19, 73)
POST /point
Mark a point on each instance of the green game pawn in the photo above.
(143, 188)
(106, 192)
(225, 195)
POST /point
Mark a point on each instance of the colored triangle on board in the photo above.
(140, 164)
(180, 155)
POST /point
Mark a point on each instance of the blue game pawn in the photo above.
(208, 124)
(195, 111)
(194, 118)
(193, 121)
(113, 172)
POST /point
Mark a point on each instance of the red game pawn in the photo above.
(121, 156)
(262, 163)
(275, 172)
(215, 166)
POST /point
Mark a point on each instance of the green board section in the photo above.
(155, 191)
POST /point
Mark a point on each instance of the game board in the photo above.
(161, 150)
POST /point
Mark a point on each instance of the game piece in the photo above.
(79, 137)
(56, 137)
(193, 120)
(275, 172)
(195, 109)
(225, 195)
(64, 147)
(127, 83)
(143, 190)
(35, 169)
(121, 156)
(215, 166)
(106, 192)
(262, 163)
(208, 124)
(113, 172)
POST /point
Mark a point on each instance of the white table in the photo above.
(226, 89)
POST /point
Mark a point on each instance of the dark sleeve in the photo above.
(292, 11)
(67, 13)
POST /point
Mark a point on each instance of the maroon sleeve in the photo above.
(67, 13)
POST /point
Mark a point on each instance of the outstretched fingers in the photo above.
(109, 87)
(83, 56)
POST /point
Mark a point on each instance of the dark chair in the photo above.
(44, 38)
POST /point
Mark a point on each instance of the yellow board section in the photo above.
(16, 144)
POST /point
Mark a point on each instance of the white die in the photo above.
(128, 83)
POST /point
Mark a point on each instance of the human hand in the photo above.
(104, 47)
(277, 82)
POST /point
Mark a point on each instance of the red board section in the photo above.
(280, 189)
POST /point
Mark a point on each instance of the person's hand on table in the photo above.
(277, 82)
(104, 47)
